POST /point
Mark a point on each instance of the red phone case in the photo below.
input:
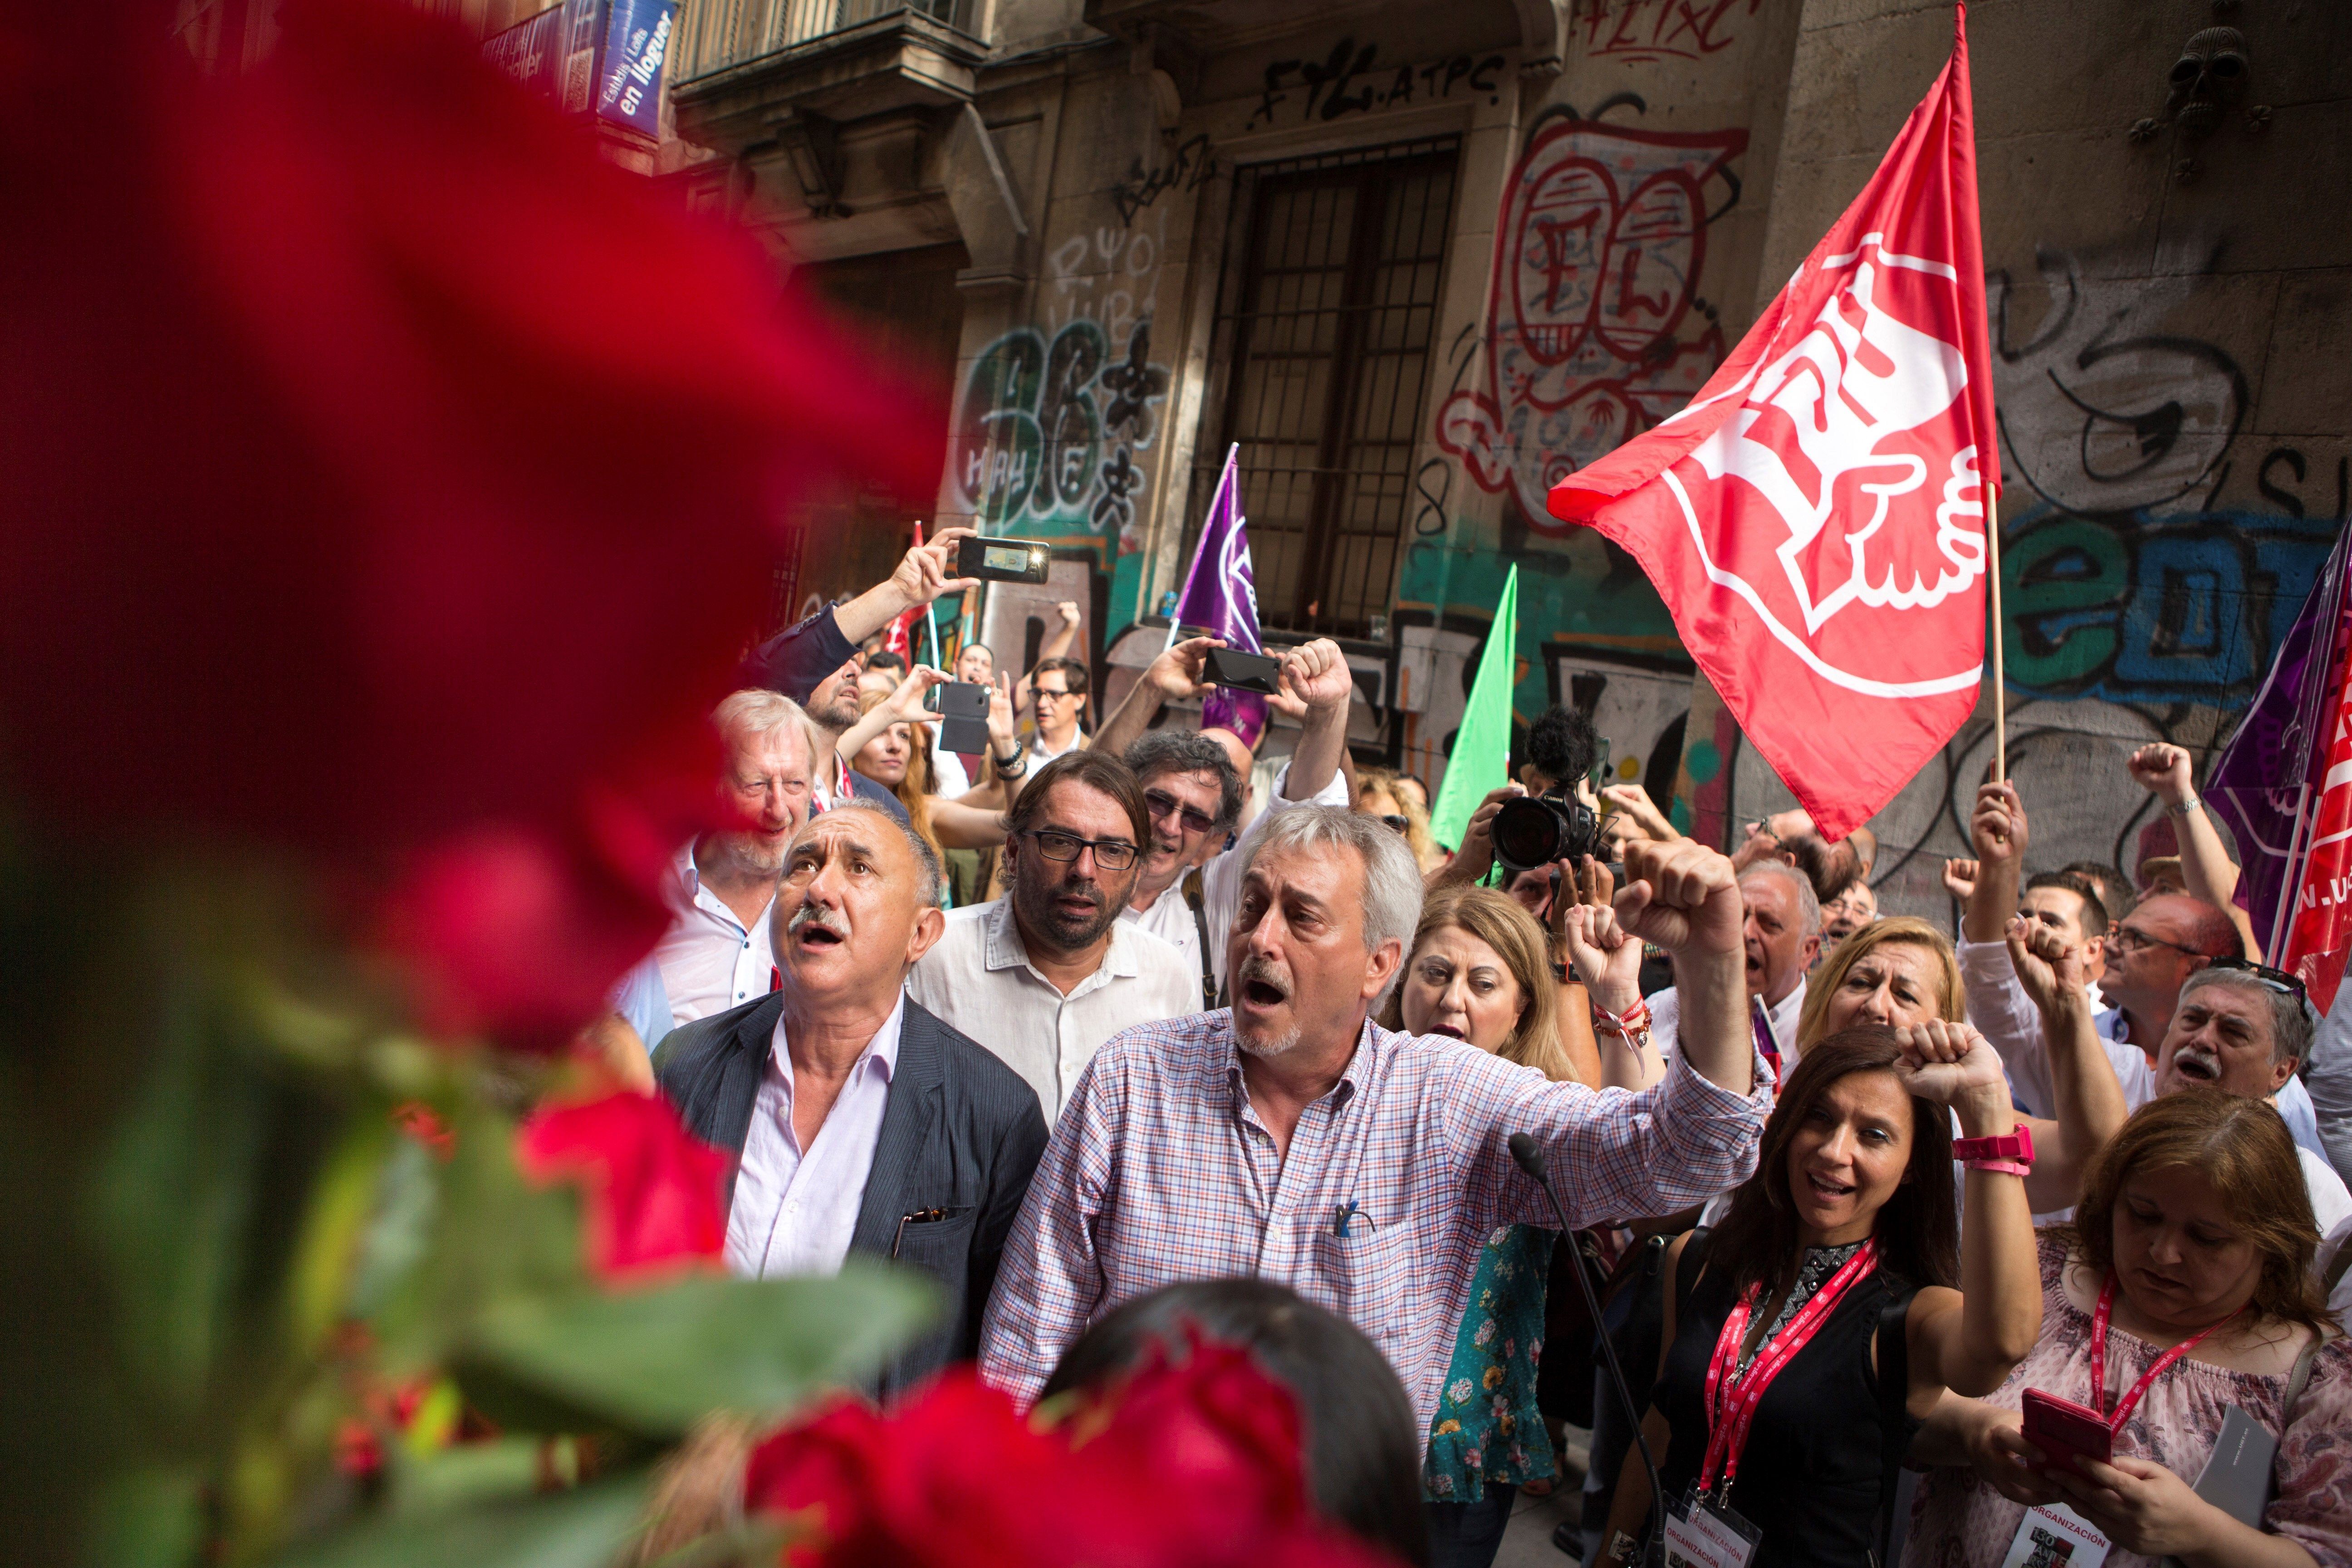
(2060, 1428)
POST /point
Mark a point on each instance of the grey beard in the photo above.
(1266, 1051)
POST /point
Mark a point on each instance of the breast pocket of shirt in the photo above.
(1362, 1272)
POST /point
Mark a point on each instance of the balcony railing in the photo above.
(721, 33)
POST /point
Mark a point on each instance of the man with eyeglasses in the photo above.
(1047, 974)
(1058, 690)
(1196, 786)
(2147, 960)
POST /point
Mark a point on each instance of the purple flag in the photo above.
(2266, 783)
(1219, 597)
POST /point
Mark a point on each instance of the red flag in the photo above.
(2318, 941)
(1814, 519)
(898, 637)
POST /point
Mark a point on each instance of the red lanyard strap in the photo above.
(1727, 1420)
(2163, 1363)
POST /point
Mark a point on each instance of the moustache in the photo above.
(1258, 967)
(2196, 1062)
(820, 915)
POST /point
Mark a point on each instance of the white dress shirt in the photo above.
(2011, 1025)
(979, 979)
(795, 1209)
(1666, 1013)
(709, 960)
(1170, 918)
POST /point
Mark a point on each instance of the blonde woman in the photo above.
(1896, 971)
(1380, 792)
(1480, 972)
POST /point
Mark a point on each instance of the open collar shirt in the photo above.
(795, 1209)
(978, 979)
(1161, 1170)
(710, 961)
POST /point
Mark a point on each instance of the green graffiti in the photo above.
(1702, 761)
(2055, 582)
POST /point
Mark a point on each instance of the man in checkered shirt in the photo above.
(1292, 1139)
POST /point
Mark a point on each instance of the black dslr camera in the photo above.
(1533, 831)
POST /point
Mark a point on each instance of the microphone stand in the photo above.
(1529, 1156)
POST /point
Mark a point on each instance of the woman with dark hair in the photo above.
(1807, 1334)
(1363, 1457)
(2182, 1289)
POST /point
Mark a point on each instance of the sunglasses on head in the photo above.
(2270, 979)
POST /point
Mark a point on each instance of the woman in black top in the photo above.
(1847, 1225)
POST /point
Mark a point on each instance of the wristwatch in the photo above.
(2011, 1154)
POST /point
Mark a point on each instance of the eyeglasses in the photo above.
(1047, 692)
(1110, 854)
(2131, 939)
(1162, 804)
(2277, 980)
(1398, 822)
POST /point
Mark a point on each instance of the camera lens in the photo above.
(1526, 832)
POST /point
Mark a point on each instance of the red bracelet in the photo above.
(2010, 1154)
(1623, 1024)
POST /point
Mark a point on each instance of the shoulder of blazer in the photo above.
(967, 1070)
(690, 1048)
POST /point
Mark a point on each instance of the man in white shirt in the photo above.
(1047, 974)
(715, 955)
(2143, 963)
(864, 1124)
(1058, 690)
(1190, 831)
(1782, 930)
(2243, 1029)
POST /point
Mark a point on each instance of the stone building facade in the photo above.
(1418, 260)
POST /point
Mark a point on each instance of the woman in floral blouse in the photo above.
(1480, 971)
(2195, 1230)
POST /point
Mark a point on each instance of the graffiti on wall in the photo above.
(1051, 417)
(1596, 330)
(1642, 32)
(2101, 412)
(2138, 609)
(1188, 167)
(1350, 81)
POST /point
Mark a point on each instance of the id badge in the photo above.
(2056, 1537)
(1703, 1533)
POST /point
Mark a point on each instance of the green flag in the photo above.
(1481, 758)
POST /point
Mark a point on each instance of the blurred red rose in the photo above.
(1194, 1474)
(1212, 1426)
(655, 1191)
(384, 476)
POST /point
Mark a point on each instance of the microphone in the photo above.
(1529, 1156)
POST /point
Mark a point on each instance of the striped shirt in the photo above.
(1160, 1171)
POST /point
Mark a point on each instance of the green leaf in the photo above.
(465, 1475)
(653, 1361)
(576, 1529)
(149, 1519)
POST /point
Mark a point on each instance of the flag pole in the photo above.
(2000, 684)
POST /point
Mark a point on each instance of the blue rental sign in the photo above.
(636, 43)
(605, 55)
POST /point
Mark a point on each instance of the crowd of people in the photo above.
(1099, 1023)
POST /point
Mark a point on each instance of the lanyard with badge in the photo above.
(1705, 1532)
(2060, 1428)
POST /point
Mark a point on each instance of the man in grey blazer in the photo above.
(864, 1124)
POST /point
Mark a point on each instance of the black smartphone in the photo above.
(963, 705)
(1002, 560)
(1244, 671)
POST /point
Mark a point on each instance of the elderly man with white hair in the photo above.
(1780, 933)
(1291, 1138)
